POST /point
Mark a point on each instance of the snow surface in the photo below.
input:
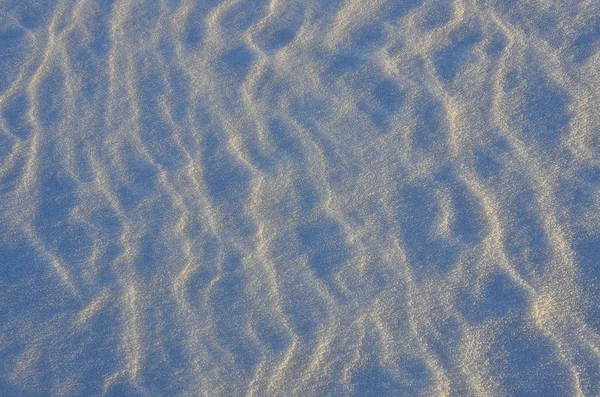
(299, 198)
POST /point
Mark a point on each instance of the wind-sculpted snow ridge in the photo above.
(299, 198)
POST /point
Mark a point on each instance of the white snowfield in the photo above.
(299, 198)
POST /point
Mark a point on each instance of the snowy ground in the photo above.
(299, 198)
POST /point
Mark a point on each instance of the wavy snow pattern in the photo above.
(299, 198)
